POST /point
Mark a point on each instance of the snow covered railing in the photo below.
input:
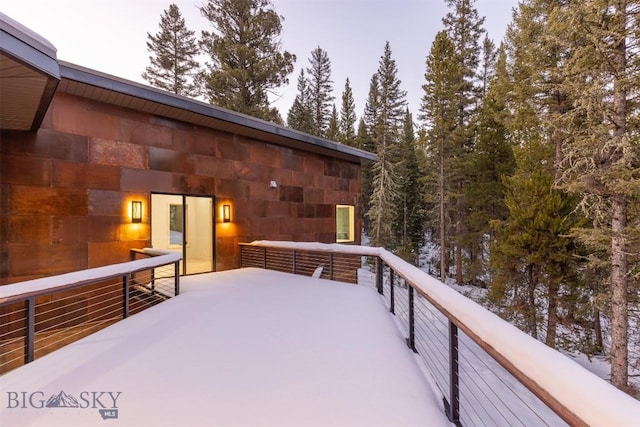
(487, 370)
(41, 315)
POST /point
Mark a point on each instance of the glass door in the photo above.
(184, 224)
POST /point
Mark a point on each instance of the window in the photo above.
(176, 222)
(345, 223)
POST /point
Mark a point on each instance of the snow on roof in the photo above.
(241, 347)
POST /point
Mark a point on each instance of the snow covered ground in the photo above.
(244, 347)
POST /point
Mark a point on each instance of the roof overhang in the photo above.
(91, 84)
(29, 75)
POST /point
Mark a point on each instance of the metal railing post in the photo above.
(379, 267)
(125, 296)
(294, 261)
(453, 410)
(411, 341)
(30, 338)
(330, 265)
(177, 278)
(392, 308)
(264, 261)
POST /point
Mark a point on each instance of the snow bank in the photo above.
(594, 400)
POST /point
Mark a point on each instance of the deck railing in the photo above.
(488, 371)
(42, 315)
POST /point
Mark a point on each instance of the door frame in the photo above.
(184, 196)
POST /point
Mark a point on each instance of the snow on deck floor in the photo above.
(245, 347)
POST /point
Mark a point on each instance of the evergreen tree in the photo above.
(320, 90)
(600, 154)
(439, 112)
(347, 133)
(173, 50)
(247, 62)
(410, 209)
(491, 160)
(333, 127)
(386, 136)
(367, 134)
(464, 27)
(300, 117)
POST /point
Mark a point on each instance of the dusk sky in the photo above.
(110, 35)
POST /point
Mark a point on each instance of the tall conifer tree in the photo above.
(173, 50)
(247, 61)
(300, 117)
(347, 116)
(320, 90)
(386, 135)
(464, 27)
(438, 112)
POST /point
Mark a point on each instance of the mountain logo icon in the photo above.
(62, 400)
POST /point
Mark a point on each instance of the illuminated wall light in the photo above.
(136, 211)
(226, 213)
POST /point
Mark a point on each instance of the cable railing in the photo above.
(487, 371)
(43, 315)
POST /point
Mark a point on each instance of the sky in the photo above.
(110, 35)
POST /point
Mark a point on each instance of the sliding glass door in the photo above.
(184, 224)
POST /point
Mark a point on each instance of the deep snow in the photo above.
(244, 347)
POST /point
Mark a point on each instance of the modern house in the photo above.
(93, 166)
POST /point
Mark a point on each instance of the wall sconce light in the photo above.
(226, 213)
(136, 211)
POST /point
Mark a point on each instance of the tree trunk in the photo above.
(443, 242)
(552, 314)
(532, 322)
(619, 313)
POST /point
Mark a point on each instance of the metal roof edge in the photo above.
(108, 82)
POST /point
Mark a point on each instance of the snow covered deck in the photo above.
(246, 347)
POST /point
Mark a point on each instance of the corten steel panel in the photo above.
(31, 200)
(313, 195)
(106, 203)
(145, 134)
(264, 155)
(291, 160)
(71, 115)
(235, 149)
(30, 260)
(23, 170)
(82, 175)
(45, 144)
(170, 160)
(213, 167)
(104, 228)
(28, 229)
(291, 193)
(233, 188)
(146, 180)
(117, 153)
(69, 230)
(183, 140)
(105, 253)
(206, 142)
(193, 184)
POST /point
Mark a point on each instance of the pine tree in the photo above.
(320, 90)
(173, 50)
(464, 27)
(410, 209)
(439, 112)
(491, 160)
(300, 117)
(600, 154)
(347, 133)
(386, 135)
(367, 134)
(247, 61)
(333, 127)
